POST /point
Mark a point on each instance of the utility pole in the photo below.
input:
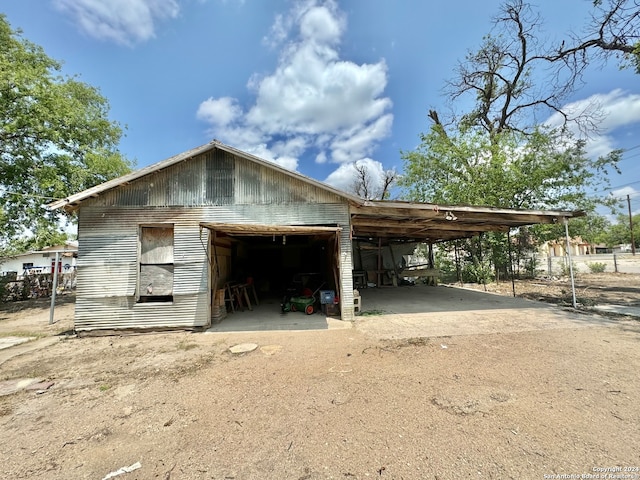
(633, 242)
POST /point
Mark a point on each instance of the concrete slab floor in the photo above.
(632, 311)
(6, 342)
(422, 311)
(268, 316)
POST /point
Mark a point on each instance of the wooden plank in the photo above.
(156, 245)
(156, 280)
(420, 272)
(257, 230)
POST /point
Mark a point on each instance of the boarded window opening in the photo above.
(155, 274)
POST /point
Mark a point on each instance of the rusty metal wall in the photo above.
(108, 256)
(214, 178)
(107, 274)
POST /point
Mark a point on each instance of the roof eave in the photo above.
(72, 202)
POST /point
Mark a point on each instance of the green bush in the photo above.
(531, 266)
(597, 267)
(565, 271)
(477, 272)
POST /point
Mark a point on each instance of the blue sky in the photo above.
(312, 85)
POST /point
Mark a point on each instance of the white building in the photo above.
(41, 261)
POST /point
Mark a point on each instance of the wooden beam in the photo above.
(426, 229)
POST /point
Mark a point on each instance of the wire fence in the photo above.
(595, 263)
(33, 286)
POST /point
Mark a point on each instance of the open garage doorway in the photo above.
(257, 270)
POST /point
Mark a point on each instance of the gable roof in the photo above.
(385, 219)
(72, 202)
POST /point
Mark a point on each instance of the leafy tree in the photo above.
(508, 169)
(516, 76)
(55, 139)
(619, 233)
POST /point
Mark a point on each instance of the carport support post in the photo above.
(573, 285)
(54, 288)
(513, 281)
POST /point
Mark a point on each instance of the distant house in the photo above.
(41, 261)
(158, 247)
(558, 248)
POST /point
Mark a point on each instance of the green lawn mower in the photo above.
(300, 304)
(307, 302)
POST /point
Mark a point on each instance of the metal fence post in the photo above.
(615, 263)
(549, 265)
(54, 288)
(573, 285)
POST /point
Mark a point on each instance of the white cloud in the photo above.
(122, 21)
(612, 111)
(313, 99)
(220, 111)
(621, 193)
(357, 142)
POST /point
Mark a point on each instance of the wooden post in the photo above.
(432, 265)
(513, 282)
(457, 255)
(379, 262)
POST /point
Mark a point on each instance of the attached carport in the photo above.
(431, 223)
(384, 223)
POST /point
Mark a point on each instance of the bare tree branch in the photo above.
(499, 75)
(614, 30)
(371, 187)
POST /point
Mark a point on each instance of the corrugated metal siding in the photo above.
(186, 311)
(107, 260)
(214, 178)
(107, 271)
(346, 275)
(256, 184)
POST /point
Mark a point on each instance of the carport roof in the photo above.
(419, 222)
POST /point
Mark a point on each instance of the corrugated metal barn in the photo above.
(159, 246)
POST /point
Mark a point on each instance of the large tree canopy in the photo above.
(518, 77)
(540, 170)
(55, 139)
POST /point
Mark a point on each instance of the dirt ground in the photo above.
(324, 404)
(591, 289)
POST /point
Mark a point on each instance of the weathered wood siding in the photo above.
(214, 187)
